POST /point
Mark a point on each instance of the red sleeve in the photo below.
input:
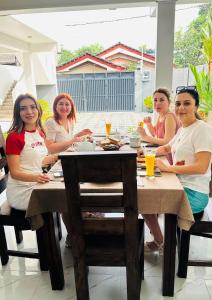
(41, 134)
(15, 143)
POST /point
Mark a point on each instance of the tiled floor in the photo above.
(22, 279)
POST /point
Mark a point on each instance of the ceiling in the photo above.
(16, 36)
(32, 6)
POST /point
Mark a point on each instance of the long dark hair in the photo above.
(17, 123)
(72, 115)
(194, 94)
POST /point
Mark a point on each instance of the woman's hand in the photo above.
(42, 178)
(49, 160)
(147, 120)
(142, 133)
(161, 165)
(84, 132)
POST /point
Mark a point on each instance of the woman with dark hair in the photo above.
(167, 123)
(59, 128)
(26, 152)
(191, 150)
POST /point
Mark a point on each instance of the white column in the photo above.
(29, 76)
(165, 43)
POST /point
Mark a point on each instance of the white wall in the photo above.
(45, 68)
(8, 74)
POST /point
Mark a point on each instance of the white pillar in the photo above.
(165, 43)
(138, 91)
(29, 76)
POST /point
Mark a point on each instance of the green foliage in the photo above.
(131, 67)
(5, 134)
(188, 44)
(203, 78)
(148, 102)
(45, 109)
(66, 55)
(204, 88)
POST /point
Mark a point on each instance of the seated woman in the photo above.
(26, 152)
(59, 129)
(191, 150)
(167, 123)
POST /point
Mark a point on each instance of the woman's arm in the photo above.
(151, 128)
(170, 129)
(199, 166)
(55, 147)
(163, 150)
(16, 173)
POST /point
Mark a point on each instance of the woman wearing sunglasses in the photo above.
(167, 123)
(191, 150)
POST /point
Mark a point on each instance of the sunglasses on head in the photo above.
(185, 88)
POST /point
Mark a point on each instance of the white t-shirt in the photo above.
(30, 146)
(57, 132)
(188, 141)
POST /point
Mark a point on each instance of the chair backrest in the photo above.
(100, 167)
(3, 164)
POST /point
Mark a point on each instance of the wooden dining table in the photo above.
(159, 195)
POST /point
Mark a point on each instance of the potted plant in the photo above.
(45, 109)
(148, 103)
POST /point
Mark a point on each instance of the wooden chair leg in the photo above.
(3, 247)
(133, 281)
(59, 226)
(42, 248)
(183, 254)
(81, 279)
(18, 235)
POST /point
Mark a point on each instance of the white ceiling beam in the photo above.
(32, 6)
(12, 43)
(43, 47)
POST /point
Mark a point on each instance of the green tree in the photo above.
(64, 56)
(131, 67)
(67, 55)
(188, 44)
(93, 49)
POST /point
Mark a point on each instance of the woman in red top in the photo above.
(26, 152)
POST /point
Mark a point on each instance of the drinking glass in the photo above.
(141, 124)
(149, 155)
(108, 126)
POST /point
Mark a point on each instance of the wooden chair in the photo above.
(19, 222)
(104, 241)
(201, 228)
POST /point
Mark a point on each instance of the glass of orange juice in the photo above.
(149, 155)
(108, 126)
(141, 124)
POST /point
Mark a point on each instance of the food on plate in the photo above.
(114, 141)
(111, 147)
(110, 141)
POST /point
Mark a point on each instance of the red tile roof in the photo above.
(88, 57)
(125, 47)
